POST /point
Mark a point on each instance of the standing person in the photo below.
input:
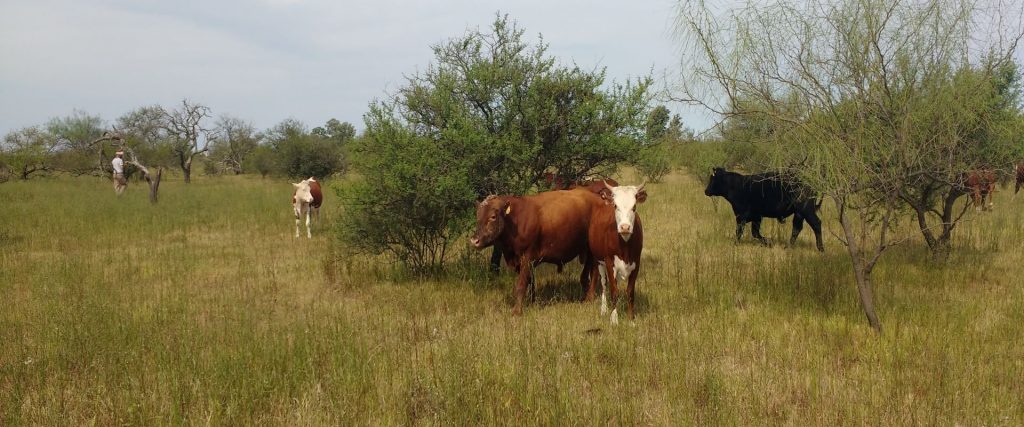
(120, 183)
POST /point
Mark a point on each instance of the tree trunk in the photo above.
(939, 246)
(862, 266)
(866, 291)
(154, 184)
(186, 168)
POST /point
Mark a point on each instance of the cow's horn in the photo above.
(605, 182)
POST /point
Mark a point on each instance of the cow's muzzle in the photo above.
(625, 230)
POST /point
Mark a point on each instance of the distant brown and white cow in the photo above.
(981, 184)
(548, 227)
(306, 203)
(616, 239)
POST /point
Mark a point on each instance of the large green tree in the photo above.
(491, 114)
(76, 136)
(299, 153)
(28, 151)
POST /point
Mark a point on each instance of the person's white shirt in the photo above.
(118, 164)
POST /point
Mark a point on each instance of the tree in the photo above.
(340, 132)
(233, 140)
(657, 123)
(844, 88)
(185, 128)
(978, 128)
(144, 131)
(492, 114)
(303, 154)
(28, 151)
(75, 136)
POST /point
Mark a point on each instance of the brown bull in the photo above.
(548, 227)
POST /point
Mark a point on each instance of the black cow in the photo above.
(764, 195)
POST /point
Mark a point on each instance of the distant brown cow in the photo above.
(616, 239)
(548, 227)
(981, 184)
(555, 181)
(595, 185)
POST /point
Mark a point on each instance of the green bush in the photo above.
(491, 116)
(654, 163)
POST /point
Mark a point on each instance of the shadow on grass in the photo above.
(9, 239)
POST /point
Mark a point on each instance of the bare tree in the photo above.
(185, 128)
(844, 86)
(118, 140)
(232, 140)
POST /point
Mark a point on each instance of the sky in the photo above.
(269, 60)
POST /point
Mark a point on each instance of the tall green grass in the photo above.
(204, 309)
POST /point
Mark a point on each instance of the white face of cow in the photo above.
(625, 199)
(302, 193)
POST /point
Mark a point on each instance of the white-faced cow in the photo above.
(306, 203)
(616, 239)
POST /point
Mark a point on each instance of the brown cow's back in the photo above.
(314, 190)
(551, 226)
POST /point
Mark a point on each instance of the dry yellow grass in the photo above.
(205, 310)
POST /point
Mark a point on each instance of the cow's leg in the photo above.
(532, 291)
(798, 226)
(755, 230)
(739, 228)
(587, 277)
(602, 271)
(309, 235)
(631, 289)
(815, 223)
(613, 290)
(495, 259)
(297, 221)
(524, 277)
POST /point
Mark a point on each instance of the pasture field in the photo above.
(204, 309)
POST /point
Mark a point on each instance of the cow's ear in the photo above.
(641, 196)
(606, 195)
(295, 185)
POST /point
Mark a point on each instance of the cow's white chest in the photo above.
(622, 268)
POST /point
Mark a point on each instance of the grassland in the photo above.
(204, 309)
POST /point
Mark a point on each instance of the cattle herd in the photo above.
(596, 222)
